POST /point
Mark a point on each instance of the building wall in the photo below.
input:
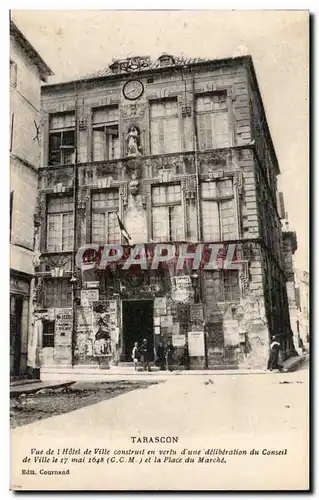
(25, 152)
(244, 323)
(270, 225)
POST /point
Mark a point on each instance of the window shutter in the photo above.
(98, 145)
(170, 137)
(221, 129)
(160, 224)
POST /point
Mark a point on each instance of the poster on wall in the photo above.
(160, 305)
(196, 343)
(88, 297)
(84, 321)
(63, 326)
(104, 326)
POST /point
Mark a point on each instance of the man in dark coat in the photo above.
(273, 361)
(169, 356)
(185, 357)
(160, 356)
(145, 356)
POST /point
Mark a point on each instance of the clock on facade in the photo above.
(133, 89)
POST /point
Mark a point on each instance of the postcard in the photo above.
(159, 274)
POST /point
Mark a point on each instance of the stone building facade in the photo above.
(178, 152)
(27, 70)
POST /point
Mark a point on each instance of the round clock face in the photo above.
(133, 89)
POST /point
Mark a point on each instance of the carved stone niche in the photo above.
(133, 142)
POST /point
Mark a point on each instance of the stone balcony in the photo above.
(164, 167)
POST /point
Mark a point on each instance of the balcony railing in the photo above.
(173, 164)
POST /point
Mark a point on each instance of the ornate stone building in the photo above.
(175, 151)
(27, 71)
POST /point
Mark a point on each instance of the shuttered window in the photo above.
(60, 224)
(219, 216)
(105, 133)
(61, 139)
(105, 227)
(167, 213)
(165, 137)
(213, 121)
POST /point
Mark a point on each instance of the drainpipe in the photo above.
(195, 147)
(198, 206)
(75, 193)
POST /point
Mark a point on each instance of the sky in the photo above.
(77, 42)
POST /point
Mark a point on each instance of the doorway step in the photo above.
(128, 367)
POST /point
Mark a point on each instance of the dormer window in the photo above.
(166, 60)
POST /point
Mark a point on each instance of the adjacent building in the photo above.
(172, 152)
(27, 71)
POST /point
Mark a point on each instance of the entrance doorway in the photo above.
(137, 325)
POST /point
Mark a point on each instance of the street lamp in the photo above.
(195, 283)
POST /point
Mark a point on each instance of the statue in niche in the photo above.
(133, 141)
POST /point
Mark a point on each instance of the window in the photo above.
(60, 224)
(167, 213)
(105, 133)
(164, 127)
(219, 217)
(58, 293)
(221, 286)
(48, 333)
(105, 226)
(61, 139)
(212, 121)
(13, 74)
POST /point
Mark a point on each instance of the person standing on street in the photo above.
(169, 356)
(160, 356)
(185, 357)
(135, 355)
(273, 361)
(145, 356)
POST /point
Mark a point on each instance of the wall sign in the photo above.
(88, 297)
(63, 326)
(196, 343)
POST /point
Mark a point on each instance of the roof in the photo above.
(133, 66)
(144, 63)
(43, 68)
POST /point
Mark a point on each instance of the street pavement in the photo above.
(258, 412)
